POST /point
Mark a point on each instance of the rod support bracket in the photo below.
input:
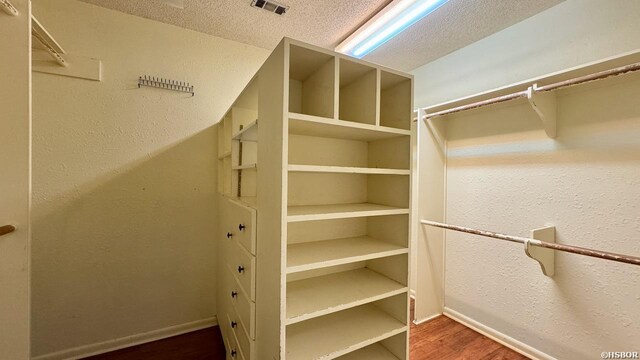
(545, 257)
(545, 106)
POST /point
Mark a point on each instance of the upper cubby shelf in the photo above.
(301, 124)
(311, 82)
(358, 90)
(395, 100)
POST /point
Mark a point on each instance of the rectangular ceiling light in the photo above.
(391, 21)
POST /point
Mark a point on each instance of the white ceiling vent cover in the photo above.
(270, 6)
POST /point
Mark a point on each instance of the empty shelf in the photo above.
(224, 155)
(347, 170)
(340, 211)
(371, 352)
(248, 133)
(245, 167)
(301, 124)
(326, 253)
(322, 295)
(340, 333)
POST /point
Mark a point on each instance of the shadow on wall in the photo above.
(128, 254)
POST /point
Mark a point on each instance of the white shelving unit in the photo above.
(326, 182)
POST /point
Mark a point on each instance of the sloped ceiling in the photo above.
(327, 22)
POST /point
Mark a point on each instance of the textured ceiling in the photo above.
(326, 23)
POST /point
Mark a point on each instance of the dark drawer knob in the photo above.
(234, 294)
(233, 353)
(241, 227)
(234, 324)
(240, 269)
(229, 235)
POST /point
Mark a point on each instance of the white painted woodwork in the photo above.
(347, 169)
(371, 352)
(327, 253)
(340, 333)
(329, 249)
(302, 124)
(15, 181)
(322, 295)
(340, 211)
(544, 256)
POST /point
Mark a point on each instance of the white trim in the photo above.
(412, 294)
(424, 320)
(127, 341)
(497, 336)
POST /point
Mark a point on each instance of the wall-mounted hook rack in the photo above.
(162, 83)
(545, 106)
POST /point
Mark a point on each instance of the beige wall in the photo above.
(124, 179)
(503, 173)
(15, 180)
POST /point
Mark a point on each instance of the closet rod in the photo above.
(522, 240)
(523, 94)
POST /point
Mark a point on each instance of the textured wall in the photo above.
(124, 178)
(504, 174)
(15, 181)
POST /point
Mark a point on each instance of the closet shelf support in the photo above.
(545, 106)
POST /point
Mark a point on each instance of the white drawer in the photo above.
(242, 265)
(233, 351)
(243, 307)
(242, 338)
(241, 225)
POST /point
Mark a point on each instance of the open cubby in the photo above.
(311, 82)
(386, 153)
(395, 100)
(358, 94)
(392, 348)
(348, 330)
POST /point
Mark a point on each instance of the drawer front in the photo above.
(243, 265)
(241, 224)
(242, 306)
(233, 351)
(242, 339)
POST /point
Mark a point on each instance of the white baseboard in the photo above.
(424, 320)
(497, 336)
(124, 342)
(412, 294)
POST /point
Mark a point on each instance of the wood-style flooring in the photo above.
(438, 339)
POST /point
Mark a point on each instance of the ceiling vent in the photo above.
(270, 6)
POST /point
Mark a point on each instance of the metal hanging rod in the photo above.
(628, 259)
(523, 94)
(7, 229)
(167, 84)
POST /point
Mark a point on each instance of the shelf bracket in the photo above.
(545, 257)
(9, 8)
(545, 106)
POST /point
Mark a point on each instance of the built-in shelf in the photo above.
(340, 211)
(371, 352)
(323, 295)
(248, 133)
(327, 253)
(245, 167)
(224, 155)
(302, 124)
(347, 170)
(340, 333)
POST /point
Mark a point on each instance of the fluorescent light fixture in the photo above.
(391, 21)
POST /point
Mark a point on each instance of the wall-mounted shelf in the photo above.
(340, 211)
(245, 167)
(340, 333)
(248, 133)
(347, 170)
(224, 155)
(323, 295)
(326, 253)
